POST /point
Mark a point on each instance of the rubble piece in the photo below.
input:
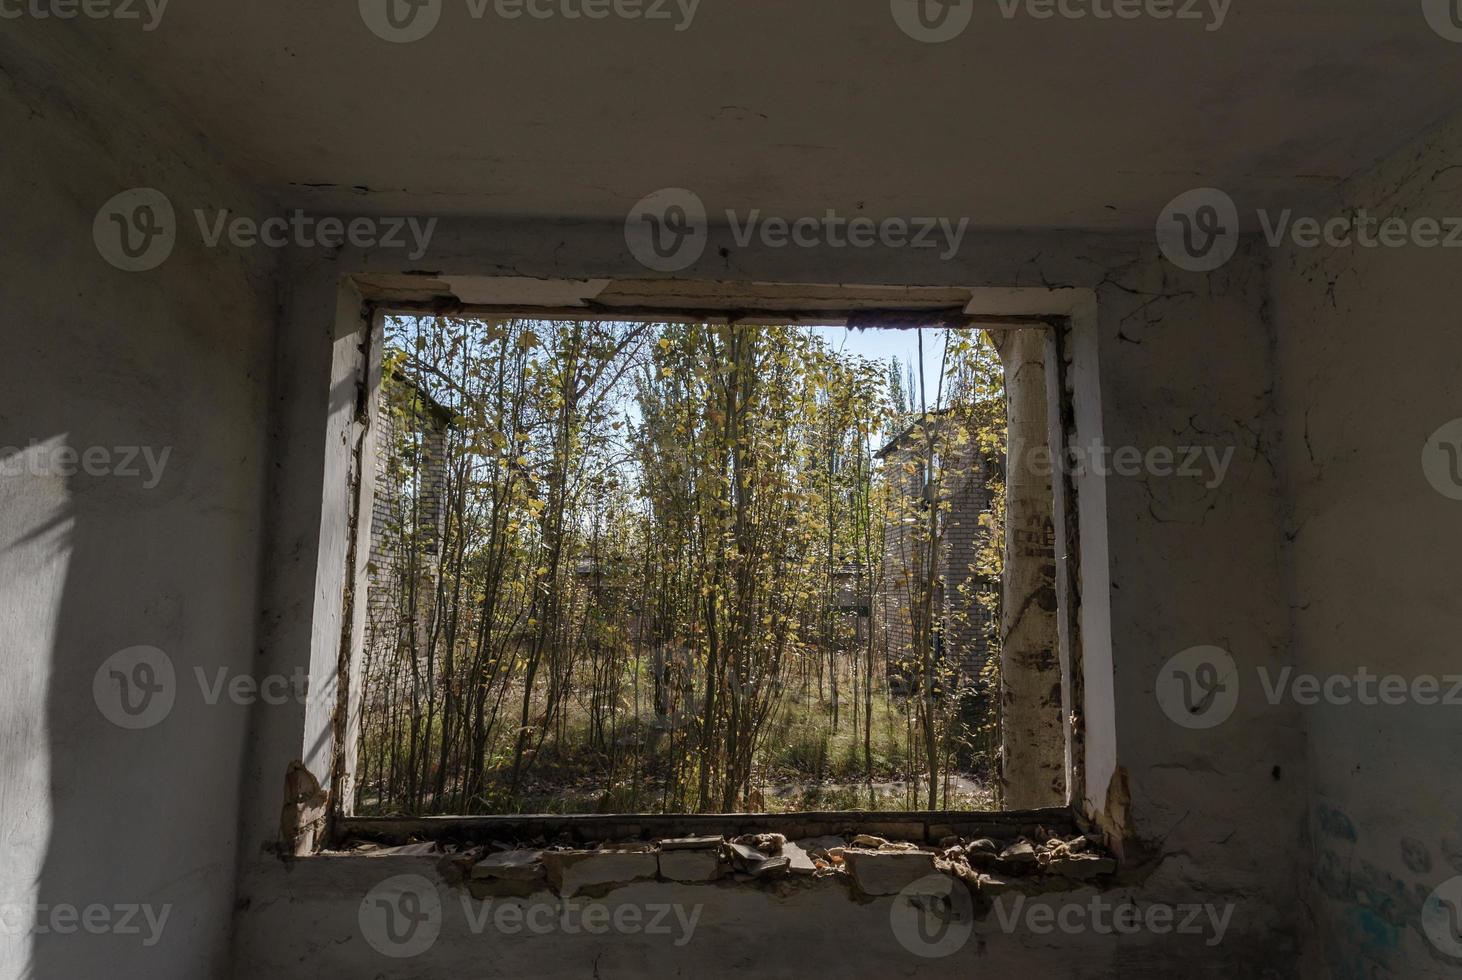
(887, 872)
(800, 862)
(878, 865)
(766, 843)
(868, 841)
(819, 846)
(572, 871)
(524, 865)
(1077, 845)
(773, 867)
(690, 864)
(991, 885)
(1021, 852)
(985, 861)
(962, 871)
(457, 868)
(691, 843)
(745, 854)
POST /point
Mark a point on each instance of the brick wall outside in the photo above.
(407, 490)
(963, 622)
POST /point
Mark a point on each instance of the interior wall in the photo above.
(1211, 817)
(1370, 367)
(96, 560)
(181, 357)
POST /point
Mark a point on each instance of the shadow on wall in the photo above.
(130, 573)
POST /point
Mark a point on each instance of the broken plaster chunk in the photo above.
(799, 861)
(773, 867)
(745, 854)
(887, 872)
(690, 864)
(992, 886)
(1021, 852)
(819, 846)
(962, 871)
(868, 841)
(766, 843)
(571, 871)
(983, 846)
(522, 865)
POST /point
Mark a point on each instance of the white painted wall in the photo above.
(1371, 356)
(176, 359)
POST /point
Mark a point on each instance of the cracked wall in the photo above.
(1371, 366)
(1212, 817)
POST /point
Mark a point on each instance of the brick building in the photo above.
(936, 458)
(407, 514)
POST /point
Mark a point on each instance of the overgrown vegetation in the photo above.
(642, 567)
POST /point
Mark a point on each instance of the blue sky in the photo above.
(884, 344)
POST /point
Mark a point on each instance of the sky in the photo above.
(882, 344)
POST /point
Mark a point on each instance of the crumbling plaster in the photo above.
(1370, 366)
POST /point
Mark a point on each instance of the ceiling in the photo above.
(796, 106)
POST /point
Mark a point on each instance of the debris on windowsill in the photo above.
(871, 866)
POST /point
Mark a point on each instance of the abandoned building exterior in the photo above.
(408, 517)
(1236, 805)
(937, 458)
(407, 514)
